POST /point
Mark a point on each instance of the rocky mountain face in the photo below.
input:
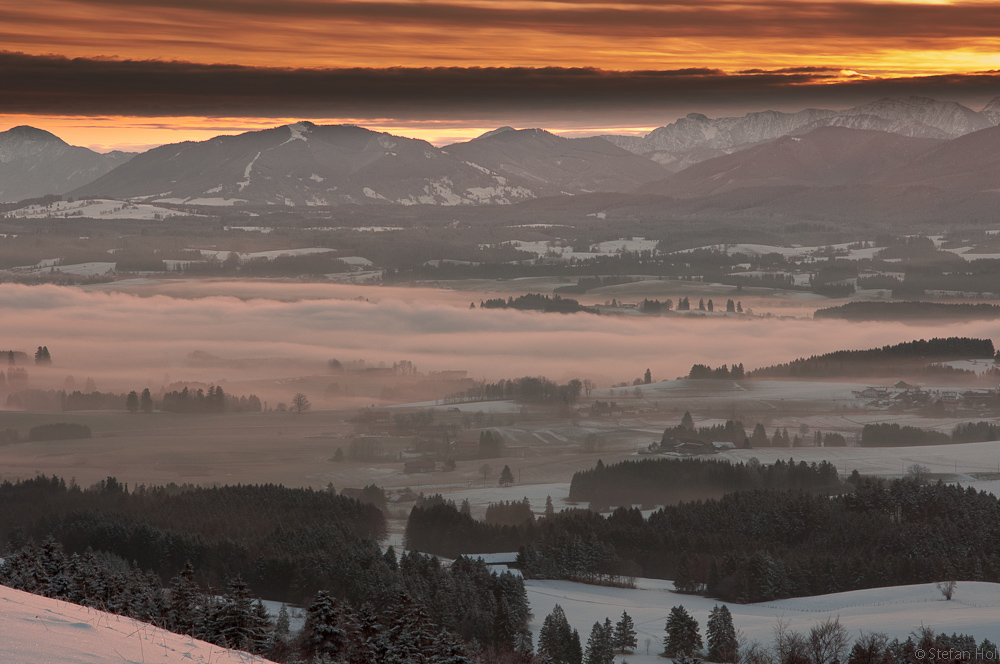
(34, 162)
(307, 164)
(695, 138)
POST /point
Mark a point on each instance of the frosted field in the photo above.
(97, 209)
(957, 462)
(608, 248)
(223, 255)
(80, 269)
(794, 252)
(897, 611)
(39, 630)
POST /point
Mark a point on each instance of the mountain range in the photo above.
(34, 162)
(695, 138)
(308, 164)
(886, 144)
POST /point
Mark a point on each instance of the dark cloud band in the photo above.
(56, 85)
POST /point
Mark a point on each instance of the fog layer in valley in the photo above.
(129, 341)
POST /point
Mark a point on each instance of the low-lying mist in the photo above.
(264, 334)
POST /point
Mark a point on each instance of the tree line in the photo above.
(751, 545)
(537, 302)
(669, 481)
(888, 435)
(527, 389)
(887, 360)
(888, 311)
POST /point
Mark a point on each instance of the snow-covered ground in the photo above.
(608, 248)
(274, 253)
(979, 366)
(792, 252)
(897, 611)
(225, 202)
(356, 260)
(967, 254)
(39, 630)
(82, 269)
(100, 208)
(465, 406)
(970, 464)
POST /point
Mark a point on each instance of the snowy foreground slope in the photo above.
(897, 611)
(39, 630)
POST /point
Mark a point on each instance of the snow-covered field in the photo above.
(793, 252)
(897, 611)
(465, 406)
(357, 260)
(100, 208)
(39, 630)
(81, 269)
(274, 253)
(608, 248)
(225, 202)
(961, 462)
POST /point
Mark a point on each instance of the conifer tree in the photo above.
(42, 355)
(600, 647)
(235, 624)
(625, 636)
(283, 624)
(721, 634)
(550, 510)
(132, 402)
(182, 610)
(506, 477)
(556, 641)
(323, 634)
(683, 638)
(683, 581)
(146, 401)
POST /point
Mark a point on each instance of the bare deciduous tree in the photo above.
(947, 588)
(827, 642)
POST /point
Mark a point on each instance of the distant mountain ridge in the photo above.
(940, 147)
(695, 138)
(308, 164)
(826, 157)
(34, 162)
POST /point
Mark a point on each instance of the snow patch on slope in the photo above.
(246, 173)
(39, 630)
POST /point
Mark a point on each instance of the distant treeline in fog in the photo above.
(887, 360)
(888, 311)
(527, 389)
(537, 302)
(215, 400)
(889, 435)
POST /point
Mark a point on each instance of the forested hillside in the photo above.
(887, 360)
(113, 548)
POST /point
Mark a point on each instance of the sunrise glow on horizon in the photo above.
(778, 54)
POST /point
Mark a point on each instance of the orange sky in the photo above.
(882, 39)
